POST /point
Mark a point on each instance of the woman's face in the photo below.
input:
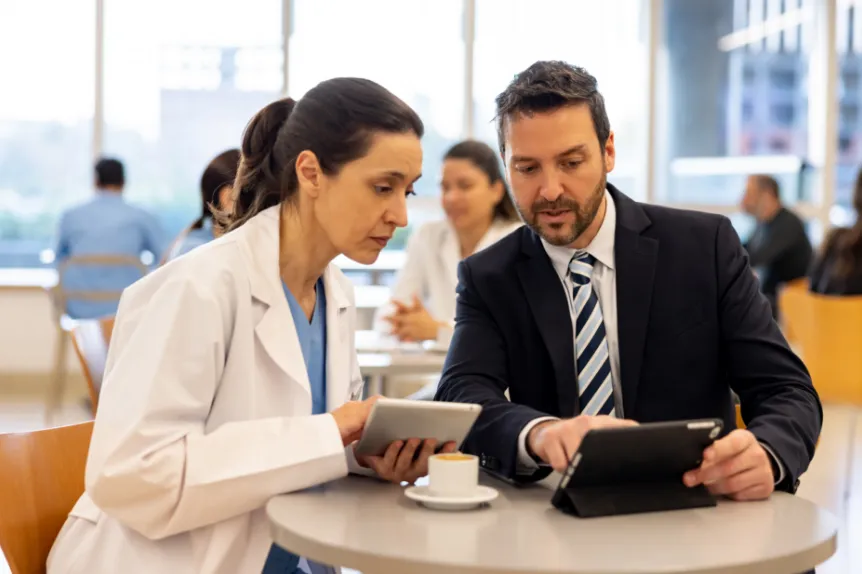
(468, 196)
(360, 207)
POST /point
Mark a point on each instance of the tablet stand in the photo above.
(630, 498)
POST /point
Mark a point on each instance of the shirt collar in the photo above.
(601, 247)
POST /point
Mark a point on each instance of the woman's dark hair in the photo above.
(220, 172)
(483, 157)
(848, 243)
(335, 120)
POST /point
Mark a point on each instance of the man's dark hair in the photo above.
(110, 172)
(769, 184)
(549, 85)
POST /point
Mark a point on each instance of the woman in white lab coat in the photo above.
(479, 212)
(216, 193)
(224, 363)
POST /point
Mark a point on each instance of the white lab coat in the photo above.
(431, 272)
(205, 415)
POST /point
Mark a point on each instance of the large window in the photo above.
(182, 79)
(46, 119)
(736, 85)
(849, 32)
(603, 37)
(413, 48)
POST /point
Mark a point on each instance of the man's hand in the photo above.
(736, 466)
(556, 442)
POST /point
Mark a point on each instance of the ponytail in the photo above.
(258, 179)
(335, 120)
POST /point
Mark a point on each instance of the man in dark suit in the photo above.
(602, 311)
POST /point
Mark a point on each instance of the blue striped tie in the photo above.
(595, 382)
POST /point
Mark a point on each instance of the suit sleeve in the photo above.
(476, 372)
(779, 403)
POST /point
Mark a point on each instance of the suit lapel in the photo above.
(635, 257)
(546, 299)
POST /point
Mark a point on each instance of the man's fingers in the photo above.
(738, 483)
(729, 446)
(751, 457)
(758, 492)
(555, 454)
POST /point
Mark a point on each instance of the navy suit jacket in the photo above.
(692, 326)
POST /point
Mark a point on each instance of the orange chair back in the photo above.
(791, 309)
(831, 344)
(90, 339)
(42, 478)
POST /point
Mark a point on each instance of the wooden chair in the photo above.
(90, 339)
(831, 343)
(42, 478)
(791, 309)
(65, 324)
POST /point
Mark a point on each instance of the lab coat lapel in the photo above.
(275, 331)
(338, 343)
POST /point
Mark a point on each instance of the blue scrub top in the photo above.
(312, 341)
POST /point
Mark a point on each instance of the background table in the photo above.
(371, 526)
(380, 358)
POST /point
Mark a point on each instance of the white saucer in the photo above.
(482, 495)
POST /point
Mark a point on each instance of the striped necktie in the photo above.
(595, 382)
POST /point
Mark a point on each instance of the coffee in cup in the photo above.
(453, 474)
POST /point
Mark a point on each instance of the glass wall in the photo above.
(700, 93)
(182, 79)
(46, 120)
(606, 38)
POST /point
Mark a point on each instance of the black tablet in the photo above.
(636, 469)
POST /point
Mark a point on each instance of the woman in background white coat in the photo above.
(224, 363)
(479, 212)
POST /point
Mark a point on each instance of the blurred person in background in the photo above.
(104, 225)
(778, 249)
(216, 192)
(838, 268)
(479, 212)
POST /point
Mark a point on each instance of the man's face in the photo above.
(557, 170)
(751, 198)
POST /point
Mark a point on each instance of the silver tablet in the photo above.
(402, 419)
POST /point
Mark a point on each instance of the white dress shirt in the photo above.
(604, 284)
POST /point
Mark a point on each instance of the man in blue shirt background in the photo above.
(105, 225)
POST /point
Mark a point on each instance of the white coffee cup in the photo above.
(453, 474)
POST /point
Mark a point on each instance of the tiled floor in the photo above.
(834, 480)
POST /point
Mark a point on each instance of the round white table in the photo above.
(367, 525)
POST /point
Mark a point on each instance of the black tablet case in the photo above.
(628, 471)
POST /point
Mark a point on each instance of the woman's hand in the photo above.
(404, 462)
(413, 323)
(350, 418)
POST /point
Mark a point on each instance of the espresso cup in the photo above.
(453, 474)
